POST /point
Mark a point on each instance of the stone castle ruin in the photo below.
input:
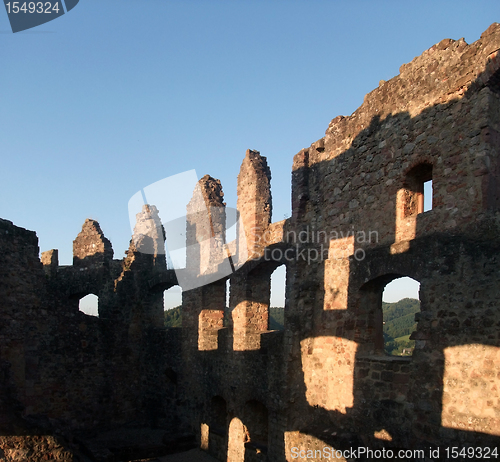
(72, 385)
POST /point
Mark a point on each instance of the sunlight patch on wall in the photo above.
(337, 270)
(204, 432)
(471, 397)
(308, 448)
(238, 436)
(329, 386)
(209, 323)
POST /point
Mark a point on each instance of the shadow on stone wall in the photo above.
(352, 395)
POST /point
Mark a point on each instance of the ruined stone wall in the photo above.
(436, 120)
(437, 112)
(21, 284)
(64, 371)
(241, 364)
(357, 224)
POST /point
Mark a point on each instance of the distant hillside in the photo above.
(276, 318)
(399, 323)
(173, 317)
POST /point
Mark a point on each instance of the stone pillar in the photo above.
(254, 203)
(144, 264)
(207, 264)
(149, 235)
(205, 233)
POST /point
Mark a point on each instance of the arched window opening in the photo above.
(400, 302)
(387, 307)
(418, 185)
(172, 305)
(277, 303)
(89, 305)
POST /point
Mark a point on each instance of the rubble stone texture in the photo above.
(250, 394)
(92, 245)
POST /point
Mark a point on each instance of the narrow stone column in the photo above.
(254, 203)
(207, 264)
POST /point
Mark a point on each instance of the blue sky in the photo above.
(118, 94)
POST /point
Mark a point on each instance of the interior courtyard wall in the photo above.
(354, 226)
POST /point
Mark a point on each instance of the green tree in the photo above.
(173, 317)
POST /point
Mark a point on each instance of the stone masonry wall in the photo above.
(357, 223)
(438, 117)
(64, 371)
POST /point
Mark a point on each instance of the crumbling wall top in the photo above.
(446, 71)
(149, 235)
(211, 189)
(205, 226)
(91, 246)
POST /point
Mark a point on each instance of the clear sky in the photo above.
(118, 94)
